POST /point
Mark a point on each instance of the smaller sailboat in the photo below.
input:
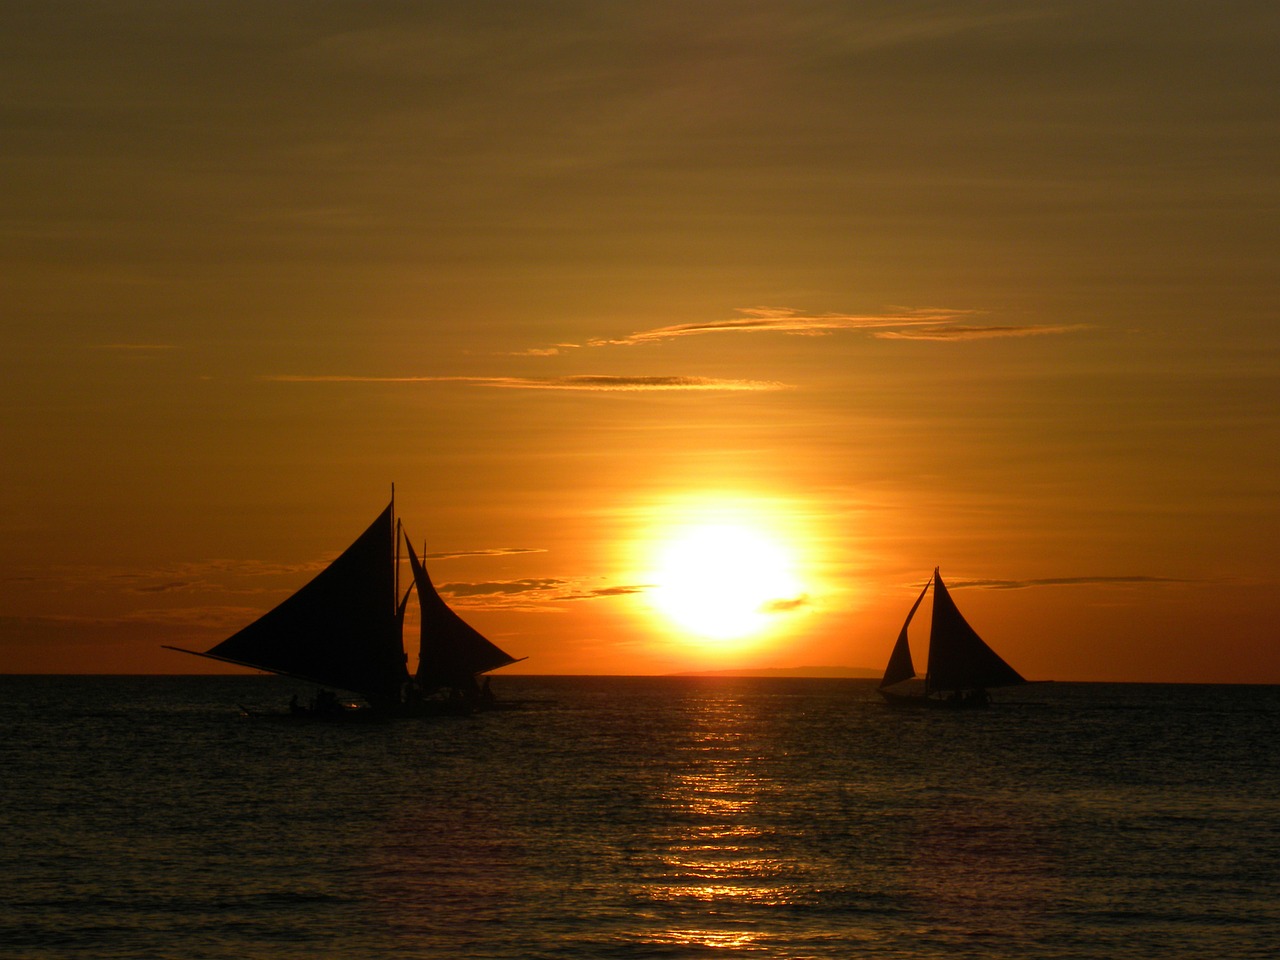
(961, 667)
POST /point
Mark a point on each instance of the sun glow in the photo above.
(724, 579)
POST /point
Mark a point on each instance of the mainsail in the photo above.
(451, 652)
(959, 659)
(340, 630)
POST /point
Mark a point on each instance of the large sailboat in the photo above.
(961, 667)
(343, 630)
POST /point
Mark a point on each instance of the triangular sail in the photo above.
(900, 666)
(452, 652)
(341, 630)
(959, 659)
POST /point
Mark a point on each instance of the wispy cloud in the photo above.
(533, 592)
(787, 604)
(788, 321)
(493, 552)
(192, 573)
(977, 333)
(135, 348)
(169, 586)
(929, 323)
(1068, 582)
(534, 585)
(221, 618)
(552, 351)
(594, 382)
(583, 382)
(601, 592)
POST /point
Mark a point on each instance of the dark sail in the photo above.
(959, 659)
(341, 630)
(452, 652)
(900, 666)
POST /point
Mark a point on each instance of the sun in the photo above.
(723, 580)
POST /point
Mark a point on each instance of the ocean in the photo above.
(144, 817)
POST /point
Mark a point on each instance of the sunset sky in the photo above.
(628, 298)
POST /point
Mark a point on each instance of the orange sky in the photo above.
(985, 286)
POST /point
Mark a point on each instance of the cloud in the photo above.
(584, 382)
(167, 587)
(788, 321)
(502, 587)
(1068, 582)
(610, 383)
(931, 323)
(494, 552)
(538, 593)
(136, 348)
(225, 619)
(786, 605)
(193, 573)
(219, 618)
(554, 350)
(977, 333)
(608, 592)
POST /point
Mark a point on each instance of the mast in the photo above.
(395, 584)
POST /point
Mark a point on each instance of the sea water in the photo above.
(639, 817)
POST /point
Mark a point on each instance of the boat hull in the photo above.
(920, 701)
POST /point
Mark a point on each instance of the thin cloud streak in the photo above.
(787, 604)
(933, 323)
(788, 321)
(977, 333)
(536, 593)
(585, 382)
(1069, 582)
(135, 348)
(492, 552)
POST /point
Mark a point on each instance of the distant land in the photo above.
(786, 672)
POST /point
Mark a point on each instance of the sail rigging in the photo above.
(451, 652)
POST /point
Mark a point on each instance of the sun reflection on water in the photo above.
(714, 836)
(706, 939)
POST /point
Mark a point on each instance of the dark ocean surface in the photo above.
(639, 817)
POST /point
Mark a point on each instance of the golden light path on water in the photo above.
(717, 845)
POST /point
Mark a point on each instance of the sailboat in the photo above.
(344, 630)
(961, 667)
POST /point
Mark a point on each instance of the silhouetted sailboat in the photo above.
(961, 667)
(344, 630)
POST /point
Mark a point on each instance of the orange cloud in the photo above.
(786, 320)
(977, 333)
(589, 382)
